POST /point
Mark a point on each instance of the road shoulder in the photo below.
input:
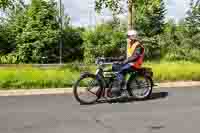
(26, 92)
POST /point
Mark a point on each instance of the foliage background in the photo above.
(30, 34)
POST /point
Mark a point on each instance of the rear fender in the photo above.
(148, 73)
(133, 76)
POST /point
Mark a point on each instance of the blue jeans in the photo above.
(120, 76)
(125, 69)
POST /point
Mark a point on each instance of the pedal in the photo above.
(125, 93)
(155, 85)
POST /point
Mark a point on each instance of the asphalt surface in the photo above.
(174, 110)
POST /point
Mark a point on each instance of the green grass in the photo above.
(36, 78)
(28, 77)
(175, 71)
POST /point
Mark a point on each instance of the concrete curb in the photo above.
(35, 92)
(179, 84)
(28, 92)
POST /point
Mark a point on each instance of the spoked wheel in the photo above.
(140, 87)
(87, 89)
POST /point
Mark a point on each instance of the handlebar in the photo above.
(108, 60)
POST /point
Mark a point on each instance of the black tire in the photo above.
(77, 87)
(149, 82)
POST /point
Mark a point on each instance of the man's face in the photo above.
(132, 37)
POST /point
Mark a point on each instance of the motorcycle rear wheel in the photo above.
(140, 87)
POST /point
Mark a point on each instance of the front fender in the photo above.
(86, 74)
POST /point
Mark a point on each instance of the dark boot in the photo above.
(116, 89)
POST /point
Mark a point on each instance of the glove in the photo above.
(121, 58)
(125, 61)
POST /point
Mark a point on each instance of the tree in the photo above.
(30, 34)
(10, 26)
(11, 4)
(37, 41)
(150, 11)
(5, 4)
(150, 15)
(192, 24)
(116, 6)
(193, 18)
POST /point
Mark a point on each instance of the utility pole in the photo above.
(90, 13)
(61, 29)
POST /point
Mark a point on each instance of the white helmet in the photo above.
(132, 33)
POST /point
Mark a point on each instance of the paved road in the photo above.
(169, 111)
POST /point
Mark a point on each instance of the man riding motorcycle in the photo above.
(135, 56)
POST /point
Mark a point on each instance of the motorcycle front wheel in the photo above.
(87, 89)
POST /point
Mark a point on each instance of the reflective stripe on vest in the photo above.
(131, 48)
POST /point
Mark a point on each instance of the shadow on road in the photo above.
(154, 96)
(159, 95)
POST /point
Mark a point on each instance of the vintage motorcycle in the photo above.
(90, 88)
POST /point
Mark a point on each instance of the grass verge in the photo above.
(175, 71)
(29, 77)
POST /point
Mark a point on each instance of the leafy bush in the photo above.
(103, 41)
(8, 59)
(73, 44)
(183, 54)
(153, 49)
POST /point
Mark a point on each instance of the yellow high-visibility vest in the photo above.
(131, 48)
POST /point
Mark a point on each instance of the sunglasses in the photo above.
(128, 36)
